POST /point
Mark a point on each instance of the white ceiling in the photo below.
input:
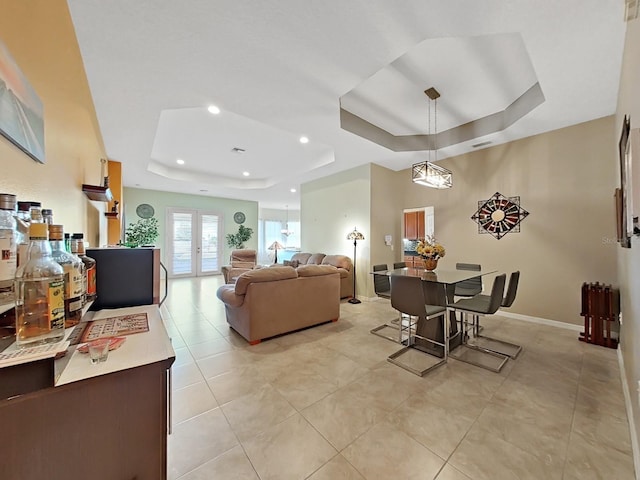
(278, 70)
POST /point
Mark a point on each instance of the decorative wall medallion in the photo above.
(239, 217)
(144, 210)
(499, 215)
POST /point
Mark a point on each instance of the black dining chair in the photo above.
(495, 345)
(381, 284)
(479, 306)
(472, 286)
(399, 265)
(382, 288)
(408, 297)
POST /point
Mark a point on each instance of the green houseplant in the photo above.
(236, 240)
(142, 233)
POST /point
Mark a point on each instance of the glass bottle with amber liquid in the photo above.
(73, 276)
(39, 293)
(77, 247)
(7, 247)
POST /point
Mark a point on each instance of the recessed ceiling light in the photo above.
(246, 174)
(180, 161)
(213, 110)
(293, 190)
(204, 190)
(304, 140)
(238, 150)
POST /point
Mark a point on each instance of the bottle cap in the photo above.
(35, 204)
(38, 230)
(77, 236)
(7, 201)
(24, 206)
(55, 232)
(47, 211)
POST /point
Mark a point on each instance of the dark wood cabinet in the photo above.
(106, 427)
(414, 225)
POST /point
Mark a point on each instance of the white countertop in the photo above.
(138, 349)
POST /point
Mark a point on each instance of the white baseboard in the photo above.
(542, 321)
(628, 405)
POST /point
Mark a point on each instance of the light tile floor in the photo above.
(324, 403)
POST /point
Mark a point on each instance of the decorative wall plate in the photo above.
(239, 217)
(144, 210)
(499, 215)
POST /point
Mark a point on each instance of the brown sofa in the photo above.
(275, 300)
(341, 262)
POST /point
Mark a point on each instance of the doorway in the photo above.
(193, 240)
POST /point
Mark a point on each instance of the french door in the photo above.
(193, 240)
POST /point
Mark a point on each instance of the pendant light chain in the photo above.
(435, 126)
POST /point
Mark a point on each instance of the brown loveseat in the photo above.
(274, 300)
(341, 262)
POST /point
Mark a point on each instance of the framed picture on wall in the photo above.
(21, 111)
(624, 197)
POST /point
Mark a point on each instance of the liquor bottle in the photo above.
(39, 293)
(47, 216)
(73, 276)
(67, 242)
(36, 212)
(23, 220)
(77, 247)
(7, 247)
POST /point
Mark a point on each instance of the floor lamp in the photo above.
(355, 236)
(276, 246)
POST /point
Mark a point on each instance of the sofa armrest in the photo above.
(227, 293)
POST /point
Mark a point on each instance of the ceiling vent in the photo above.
(238, 150)
(482, 144)
(631, 9)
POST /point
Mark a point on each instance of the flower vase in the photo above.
(430, 264)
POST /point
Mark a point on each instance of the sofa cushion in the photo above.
(316, 259)
(301, 257)
(263, 275)
(315, 270)
(340, 261)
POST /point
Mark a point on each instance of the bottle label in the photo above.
(7, 255)
(91, 281)
(55, 296)
(74, 283)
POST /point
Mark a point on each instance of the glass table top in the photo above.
(440, 275)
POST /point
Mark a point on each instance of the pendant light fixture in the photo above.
(285, 231)
(428, 173)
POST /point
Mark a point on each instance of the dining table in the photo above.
(446, 280)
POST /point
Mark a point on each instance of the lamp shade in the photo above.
(355, 235)
(276, 246)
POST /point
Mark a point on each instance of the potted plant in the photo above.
(236, 240)
(430, 251)
(142, 233)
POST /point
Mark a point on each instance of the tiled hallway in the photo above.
(324, 403)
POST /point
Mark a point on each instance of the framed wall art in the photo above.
(499, 215)
(624, 195)
(21, 111)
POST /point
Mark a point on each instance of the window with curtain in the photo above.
(270, 231)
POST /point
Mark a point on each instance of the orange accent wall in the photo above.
(40, 37)
(114, 225)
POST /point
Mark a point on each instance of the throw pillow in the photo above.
(291, 263)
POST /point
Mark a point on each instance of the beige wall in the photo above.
(41, 38)
(161, 201)
(330, 208)
(386, 215)
(629, 258)
(565, 180)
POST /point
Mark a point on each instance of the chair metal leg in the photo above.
(493, 344)
(475, 355)
(394, 358)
